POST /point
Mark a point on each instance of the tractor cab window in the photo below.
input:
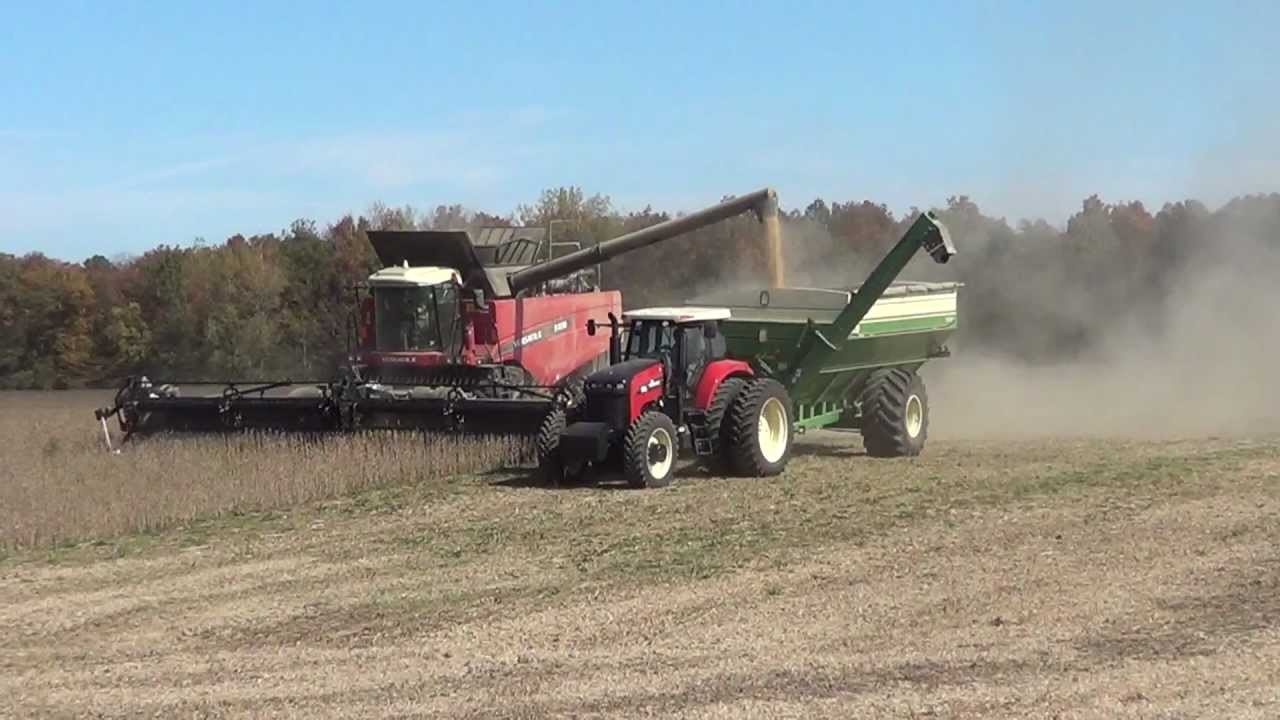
(415, 318)
(650, 339)
(700, 350)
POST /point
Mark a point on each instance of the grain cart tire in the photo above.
(717, 430)
(760, 432)
(551, 468)
(895, 413)
(649, 451)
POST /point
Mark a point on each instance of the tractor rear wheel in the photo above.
(895, 413)
(649, 451)
(717, 429)
(759, 427)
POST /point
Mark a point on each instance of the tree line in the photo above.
(278, 305)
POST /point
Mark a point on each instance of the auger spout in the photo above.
(763, 202)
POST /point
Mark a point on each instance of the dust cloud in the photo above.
(1198, 358)
(1205, 364)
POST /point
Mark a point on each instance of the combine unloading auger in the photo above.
(460, 334)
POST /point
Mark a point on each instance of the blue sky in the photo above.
(127, 125)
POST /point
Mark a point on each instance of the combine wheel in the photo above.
(573, 392)
(551, 468)
(759, 429)
(895, 413)
(717, 429)
(649, 451)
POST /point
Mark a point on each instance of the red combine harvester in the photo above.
(456, 333)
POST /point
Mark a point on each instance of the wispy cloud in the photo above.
(204, 187)
(189, 169)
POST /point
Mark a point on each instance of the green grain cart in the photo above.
(849, 357)
(733, 376)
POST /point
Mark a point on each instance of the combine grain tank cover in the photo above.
(509, 245)
(433, 248)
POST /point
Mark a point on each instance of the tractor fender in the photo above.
(717, 372)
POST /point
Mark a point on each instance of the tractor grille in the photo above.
(613, 410)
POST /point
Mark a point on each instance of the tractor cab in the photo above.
(684, 340)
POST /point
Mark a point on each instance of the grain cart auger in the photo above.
(480, 334)
(734, 378)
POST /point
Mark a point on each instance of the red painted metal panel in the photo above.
(717, 372)
(646, 388)
(546, 334)
(404, 359)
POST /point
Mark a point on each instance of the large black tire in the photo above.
(752, 454)
(895, 413)
(650, 450)
(551, 467)
(717, 429)
(574, 391)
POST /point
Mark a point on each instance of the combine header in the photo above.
(480, 335)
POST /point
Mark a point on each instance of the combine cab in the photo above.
(442, 315)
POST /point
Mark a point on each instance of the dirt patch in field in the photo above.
(1079, 578)
(1227, 604)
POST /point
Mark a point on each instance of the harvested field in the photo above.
(1019, 578)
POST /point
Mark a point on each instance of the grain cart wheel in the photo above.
(717, 429)
(760, 429)
(895, 413)
(649, 451)
(551, 468)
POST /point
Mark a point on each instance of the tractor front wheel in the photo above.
(649, 451)
(551, 466)
(895, 413)
(760, 434)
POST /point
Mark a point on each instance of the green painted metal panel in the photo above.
(823, 344)
(886, 327)
(844, 371)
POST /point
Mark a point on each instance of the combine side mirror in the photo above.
(591, 327)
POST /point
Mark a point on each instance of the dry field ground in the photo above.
(1018, 578)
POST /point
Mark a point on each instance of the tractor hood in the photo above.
(607, 380)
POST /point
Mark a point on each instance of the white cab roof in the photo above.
(678, 314)
(413, 276)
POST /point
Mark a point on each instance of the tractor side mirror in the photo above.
(710, 331)
(591, 327)
(477, 295)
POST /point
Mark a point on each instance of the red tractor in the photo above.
(670, 389)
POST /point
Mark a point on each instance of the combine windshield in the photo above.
(416, 318)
